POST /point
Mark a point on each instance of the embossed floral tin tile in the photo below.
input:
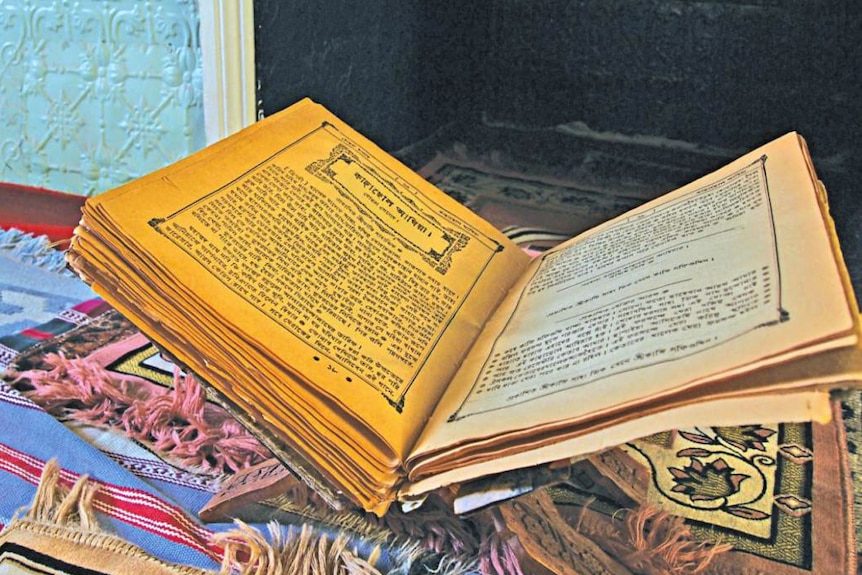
(95, 93)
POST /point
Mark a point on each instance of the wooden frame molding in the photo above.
(227, 48)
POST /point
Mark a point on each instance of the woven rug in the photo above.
(779, 496)
(60, 534)
(34, 287)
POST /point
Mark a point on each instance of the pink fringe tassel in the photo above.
(176, 421)
(497, 554)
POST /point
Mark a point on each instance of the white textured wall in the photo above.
(96, 92)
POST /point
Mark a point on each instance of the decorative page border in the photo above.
(781, 313)
(456, 240)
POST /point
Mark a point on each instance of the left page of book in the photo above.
(316, 282)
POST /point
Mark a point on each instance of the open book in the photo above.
(384, 341)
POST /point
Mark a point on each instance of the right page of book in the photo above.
(734, 271)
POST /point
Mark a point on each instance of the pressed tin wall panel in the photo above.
(95, 93)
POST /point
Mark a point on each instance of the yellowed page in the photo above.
(795, 406)
(319, 255)
(307, 427)
(836, 369)
(732, 272)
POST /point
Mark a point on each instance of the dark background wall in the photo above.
(731, 73)
(393, 69)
